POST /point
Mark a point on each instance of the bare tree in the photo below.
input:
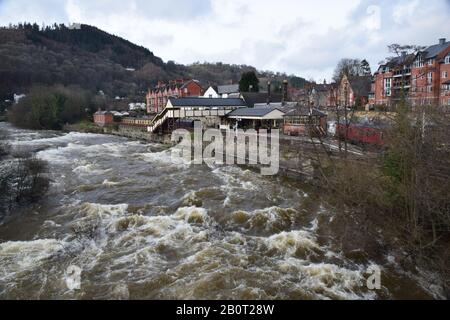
(350, 67)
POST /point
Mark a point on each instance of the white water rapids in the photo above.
(155, 227)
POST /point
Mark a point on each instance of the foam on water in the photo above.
(273, 219)
(20, 261)
(164, 158)
(289, 244)
(177, 231)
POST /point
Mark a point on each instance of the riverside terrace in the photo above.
(226, 113)
(210, 111)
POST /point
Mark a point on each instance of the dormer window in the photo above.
(447, 59)
(419, 63)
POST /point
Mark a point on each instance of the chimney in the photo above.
(442, 41)
(268, 92)
(285, 91)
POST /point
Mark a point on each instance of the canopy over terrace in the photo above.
(256, 118)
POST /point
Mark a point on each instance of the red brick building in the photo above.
(354, 91)
(103, 118)
(158, 96)
(323, 95)
(424, 78)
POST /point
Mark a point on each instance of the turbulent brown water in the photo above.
(163, 229)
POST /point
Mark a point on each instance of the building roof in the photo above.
(402, 60)
(361, 85)
(207, 102)
(302, 111)
(252, 112)
(180, 84)
(213, 87)
(103, 113)
(227, 89)
(252, 98)
(434, 50)
(184, 85)
(323, 87)
(278, 105)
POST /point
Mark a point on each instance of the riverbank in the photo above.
(118, 130)
(295, 153)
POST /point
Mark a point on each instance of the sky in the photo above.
(301, 37)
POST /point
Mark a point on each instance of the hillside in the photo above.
(95, 60)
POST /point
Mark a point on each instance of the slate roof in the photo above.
(361, 86)
(403, 60)
(207, 102)
(278, 105)
(252, 98)
(304, 111)
(227, 89)
(252, 112)
(434, 50)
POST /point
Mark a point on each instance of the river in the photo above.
(141, 224)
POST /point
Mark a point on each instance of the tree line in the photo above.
(51, 108)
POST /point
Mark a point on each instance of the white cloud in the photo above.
(296, 36)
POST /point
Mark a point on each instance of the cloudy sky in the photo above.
(294, 36)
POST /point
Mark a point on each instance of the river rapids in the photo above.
(141, 224)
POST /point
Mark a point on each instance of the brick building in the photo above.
(424, 78)
(158, 96)
(354, 91)
(103, 118)
(323, 95)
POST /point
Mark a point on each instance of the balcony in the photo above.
(405, 73)
(399, 87)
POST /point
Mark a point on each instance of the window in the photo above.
(387, 86)
(430, 88)
(444, 74)
(430, 77)
(447, 59)
(430, 62)
(419, 62)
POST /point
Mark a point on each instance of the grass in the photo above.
(86, 126)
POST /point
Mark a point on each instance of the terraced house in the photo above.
(158, 96)
(423, 77)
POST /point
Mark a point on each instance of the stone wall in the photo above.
(137, 134)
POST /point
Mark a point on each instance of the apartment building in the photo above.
(423, 78)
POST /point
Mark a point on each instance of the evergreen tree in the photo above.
(365, 68)
(249, 82)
